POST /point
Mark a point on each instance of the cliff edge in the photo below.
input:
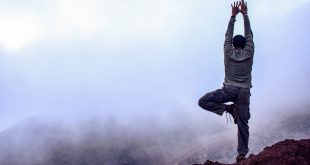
(287, 152)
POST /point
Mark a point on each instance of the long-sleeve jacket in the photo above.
(238, 63)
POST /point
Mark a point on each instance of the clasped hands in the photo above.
(239, 6)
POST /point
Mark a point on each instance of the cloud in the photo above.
(115, 21)
(165, 54)
(110, 21)
(275, 9)
(19, 28)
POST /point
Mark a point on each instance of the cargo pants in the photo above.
(214, 102)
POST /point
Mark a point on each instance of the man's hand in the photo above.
(235, 8)
(244, 7)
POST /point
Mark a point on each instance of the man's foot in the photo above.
(240, 158)
(232, 110)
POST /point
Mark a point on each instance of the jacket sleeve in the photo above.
(228, 48)
(248, 34)
(248, 50)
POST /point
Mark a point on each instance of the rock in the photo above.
(287, 152)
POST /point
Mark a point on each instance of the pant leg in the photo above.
(243, 104)
(213, 101)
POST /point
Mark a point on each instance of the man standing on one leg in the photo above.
(238, 60)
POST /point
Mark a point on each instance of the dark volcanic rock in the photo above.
(288, 152)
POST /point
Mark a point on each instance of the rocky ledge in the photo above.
(288, 152)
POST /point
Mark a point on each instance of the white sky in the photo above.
(76, 55)
(26, 22)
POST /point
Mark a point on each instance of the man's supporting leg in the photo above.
(243, 117)
(213, 101)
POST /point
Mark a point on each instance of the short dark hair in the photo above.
(239, 41)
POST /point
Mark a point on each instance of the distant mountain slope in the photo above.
(46, 140)
(50, 141)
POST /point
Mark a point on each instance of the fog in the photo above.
(129, 75)
(176, 139)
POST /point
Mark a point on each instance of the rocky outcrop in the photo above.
(288, 152)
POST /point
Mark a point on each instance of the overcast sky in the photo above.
(138, 57)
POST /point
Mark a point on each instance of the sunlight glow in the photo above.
(113, 21)
(110, 21)
(19, 29)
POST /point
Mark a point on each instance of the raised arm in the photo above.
(229, 32)
(248, 34)
(230, 29)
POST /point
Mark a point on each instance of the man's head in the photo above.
(239, 42)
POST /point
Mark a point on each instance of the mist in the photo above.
(175, 139)
(121, 80)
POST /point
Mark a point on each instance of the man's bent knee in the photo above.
(204, 104)
(201, 102)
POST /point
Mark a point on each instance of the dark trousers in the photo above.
(214, 102)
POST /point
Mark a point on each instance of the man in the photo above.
(238, 60)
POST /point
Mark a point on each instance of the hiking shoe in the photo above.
(240, 158)
(232, 110)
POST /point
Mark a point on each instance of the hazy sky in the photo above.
(141, 57)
